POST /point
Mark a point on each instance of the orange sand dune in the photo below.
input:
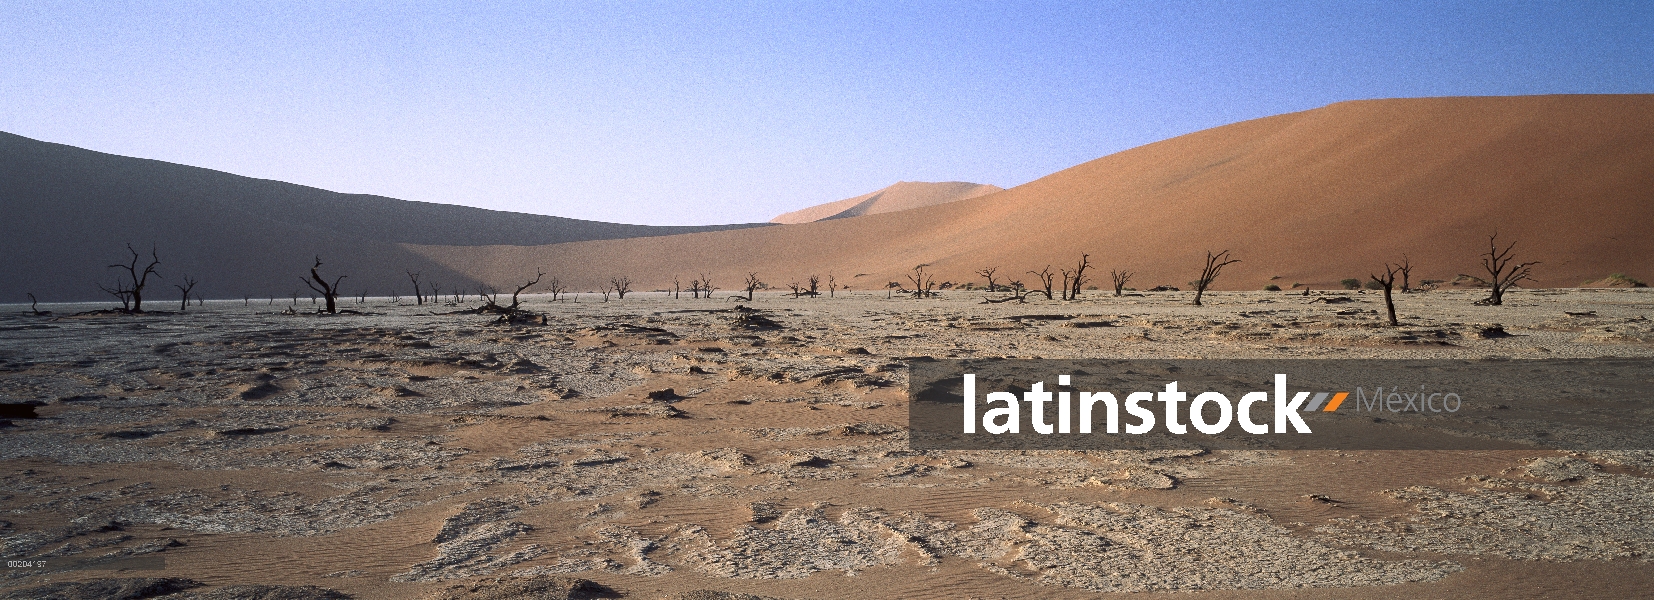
(904, 195)
(1311, 197)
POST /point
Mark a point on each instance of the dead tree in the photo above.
(815, 285)
(988, 273)
(1389, 283)
(1079, 276)
(321, 286)
(139, 278)
(1045, 277)
(832, 286)
(1120, 279)
(752, 283)
(706, 285)
(1020, 296)
(189, 284)
(923, 285)
(1405, 269)
(520, 288)
(419, 296)
(1503, 276)
(622, 285)
(676, 287)
(1214, 265)
(511, 314)
(120, 292)
(396, 297)
(556, 288)
(436, 292)
(890, 289)
(34, 307)
(606, 292)
(1067, 275)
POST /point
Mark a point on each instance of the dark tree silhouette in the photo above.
(520, 288)
(988, 273)
(120, 292)
(321, 286)
(1079, 276)
(138, 279)
(1214, 265)
(1502, 275)
(189, 284)
(923, 285)
(34, 307)
(706, 285)
(622, 285)
(556, 288)
(832, 286)
(1405, 269)
(1389, 283)
(676, 287)
(752, 283)
(1046, 278)
(1120, 279)
(419, 296)
(815, 285)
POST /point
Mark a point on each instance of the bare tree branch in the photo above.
(1214, 265)
(1503, 276)
(330, 291)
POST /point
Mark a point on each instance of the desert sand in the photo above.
(904, 195)
(659, 447)
(1312, 197)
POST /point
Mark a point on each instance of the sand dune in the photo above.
(66, 213)
(1310, 197)
(904, 195)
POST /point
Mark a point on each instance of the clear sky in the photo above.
(675, 113)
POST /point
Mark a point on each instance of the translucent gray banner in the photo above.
(1572, 404)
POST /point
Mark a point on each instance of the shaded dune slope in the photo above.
(66, 213)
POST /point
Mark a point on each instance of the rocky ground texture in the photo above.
(691, 449)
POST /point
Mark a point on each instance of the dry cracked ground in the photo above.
(685, 448)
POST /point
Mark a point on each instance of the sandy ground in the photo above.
(407, 453)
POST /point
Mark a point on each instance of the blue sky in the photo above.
(674, 113)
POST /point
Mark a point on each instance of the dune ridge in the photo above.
(904, 195)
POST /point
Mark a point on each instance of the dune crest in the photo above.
(904, 195)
